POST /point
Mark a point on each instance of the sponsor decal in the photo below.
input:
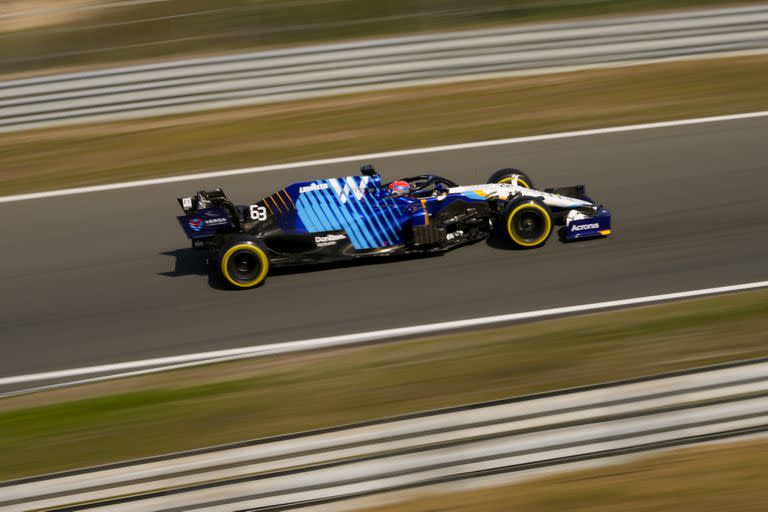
(186, 202)
(350, 188)
(582, 227)
(324, 241)
(196, 224)
(313, 187)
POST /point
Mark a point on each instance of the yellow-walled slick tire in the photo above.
(244, 263)
(527, 222)
(508, 176)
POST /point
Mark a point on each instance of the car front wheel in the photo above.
(527, 222)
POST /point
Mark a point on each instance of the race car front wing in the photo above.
(578, 225)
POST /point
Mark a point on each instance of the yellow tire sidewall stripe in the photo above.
(547, 231)
(248, 247)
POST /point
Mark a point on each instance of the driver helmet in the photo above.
(399, 187)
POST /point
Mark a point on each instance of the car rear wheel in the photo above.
(244, 263)
(508, 176)
(527, 222)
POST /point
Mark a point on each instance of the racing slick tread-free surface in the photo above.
(231, 251)
(117, 281)
(514, 212)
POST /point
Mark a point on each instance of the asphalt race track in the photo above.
(107, 277)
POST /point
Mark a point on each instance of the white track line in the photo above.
(386, 154)
(168, 363)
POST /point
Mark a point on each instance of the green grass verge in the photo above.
(713, 477)
(380, 121)
(234, 401)
(62, 35)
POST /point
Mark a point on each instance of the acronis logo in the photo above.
(583, 227)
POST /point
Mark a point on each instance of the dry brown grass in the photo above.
(720, 477)
(64, 35)
(28, 14)
(379, 121)
(235, 401)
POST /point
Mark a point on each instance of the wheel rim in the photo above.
(529, 225)
(244, 265)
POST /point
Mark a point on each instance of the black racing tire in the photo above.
(526, 222)
(508, 175)
(243, 262)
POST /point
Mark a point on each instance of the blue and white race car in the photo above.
(351, 217)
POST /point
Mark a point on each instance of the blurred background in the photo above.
(108, 320)
(65, 33)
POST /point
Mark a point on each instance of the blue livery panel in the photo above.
(355, 204)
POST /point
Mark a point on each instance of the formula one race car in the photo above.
(345, 218)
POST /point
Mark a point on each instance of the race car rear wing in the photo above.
(203, 199)
(207, 214)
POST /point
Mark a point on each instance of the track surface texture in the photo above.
(107, 277)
